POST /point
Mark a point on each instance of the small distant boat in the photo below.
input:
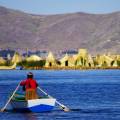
(19, 104)
(8, 67)
(19, 68)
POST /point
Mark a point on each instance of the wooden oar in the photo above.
(63, 107)
(2, 110)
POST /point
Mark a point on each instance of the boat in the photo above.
(42, 104)
(8, 67)
(19, 68)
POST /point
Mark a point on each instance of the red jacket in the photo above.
(29, 83)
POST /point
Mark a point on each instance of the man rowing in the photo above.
(30, 86)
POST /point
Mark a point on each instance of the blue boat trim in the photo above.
(41, 108)
(38, 108)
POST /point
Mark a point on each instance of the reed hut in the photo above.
(81, 58)
(16, 58)
(50, 60)
(67, 61)
(90, 62)
(115, 64)
(104, 60)
(108, 60)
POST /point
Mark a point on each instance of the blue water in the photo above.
(90, 94)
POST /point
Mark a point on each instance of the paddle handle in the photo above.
(44, 92)
(2, 110)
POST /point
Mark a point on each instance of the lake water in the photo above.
(90, 94)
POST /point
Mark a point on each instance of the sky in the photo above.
(63, 6)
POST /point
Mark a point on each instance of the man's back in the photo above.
(30, 87)
(31, 84)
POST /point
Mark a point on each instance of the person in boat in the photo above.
(30, 86)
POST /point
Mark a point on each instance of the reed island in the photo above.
(81, 60)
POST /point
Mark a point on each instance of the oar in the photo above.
(2, 110)
(65, 108)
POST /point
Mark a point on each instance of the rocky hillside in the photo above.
(98, 33)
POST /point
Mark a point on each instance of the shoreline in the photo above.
(71, 68)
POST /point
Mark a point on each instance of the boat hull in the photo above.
(36, 105)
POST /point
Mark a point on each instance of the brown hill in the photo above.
(98, 33)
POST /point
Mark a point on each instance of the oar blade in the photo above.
(2, 110)
(66, 109)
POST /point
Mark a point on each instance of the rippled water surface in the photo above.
(90, 94)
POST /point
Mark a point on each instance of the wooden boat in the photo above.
(8, 67)
(19, 104)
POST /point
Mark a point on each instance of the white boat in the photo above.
(35, 105)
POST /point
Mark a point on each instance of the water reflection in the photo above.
(30, 116)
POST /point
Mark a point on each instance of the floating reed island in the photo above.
(81, 60)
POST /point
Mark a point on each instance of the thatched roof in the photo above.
(65, 58)
(33, 58)
(115, 63)
(75, 57)
(50, 57)
(16, 58)
(90, 59)
(2, 61)
(82, 52)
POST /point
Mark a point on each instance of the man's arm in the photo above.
(23, 83)
(36, 84)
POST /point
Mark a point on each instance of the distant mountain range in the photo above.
(99, 33)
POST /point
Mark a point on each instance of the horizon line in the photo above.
(62, 13)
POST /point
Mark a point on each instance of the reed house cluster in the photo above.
(81, 60)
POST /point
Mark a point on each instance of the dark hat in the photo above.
(30, 75)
